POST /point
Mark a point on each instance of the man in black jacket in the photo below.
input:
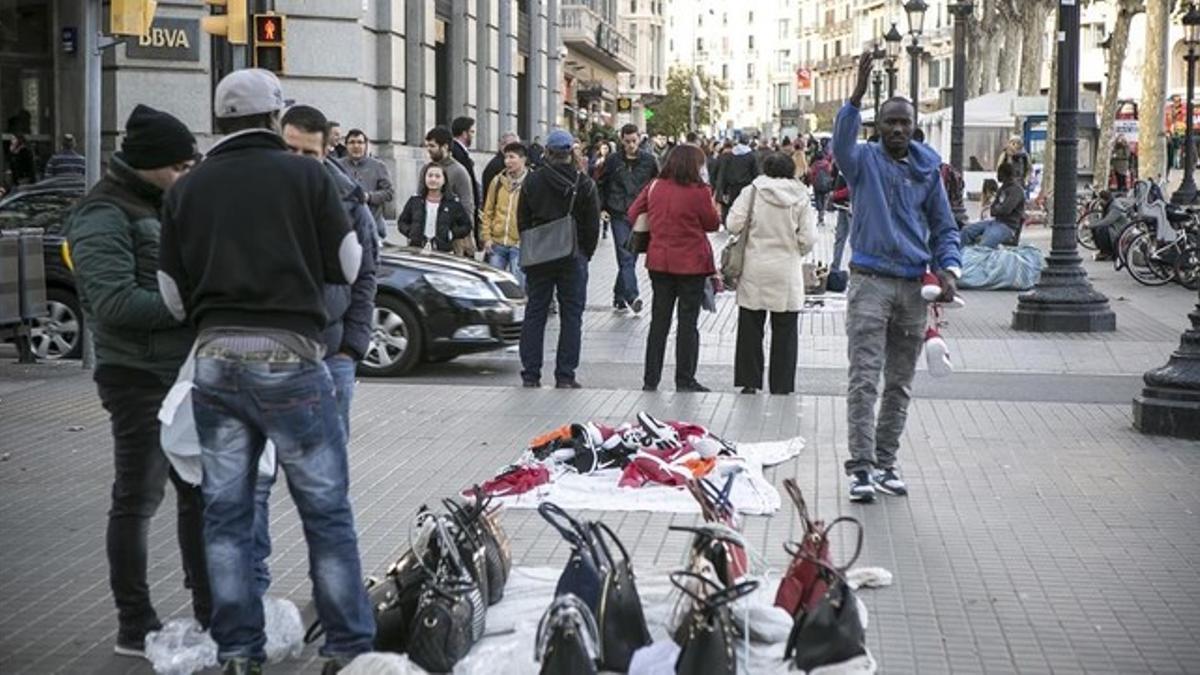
(735, 171)
(621, 180)
(114, 235)
(1008, 213)
(250, 238)
(496, 165)
(463, 129)
(555, 191)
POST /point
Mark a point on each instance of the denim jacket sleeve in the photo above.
(944, 240)
(846, 149)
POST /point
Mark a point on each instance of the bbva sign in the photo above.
(168, 40)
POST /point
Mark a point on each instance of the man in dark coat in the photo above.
(463, 129)
(620, 182)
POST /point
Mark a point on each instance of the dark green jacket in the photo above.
(113, 235)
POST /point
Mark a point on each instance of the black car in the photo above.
(430, 307)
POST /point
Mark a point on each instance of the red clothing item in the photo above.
(680, 216)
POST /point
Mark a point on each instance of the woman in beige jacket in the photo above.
(775, 216)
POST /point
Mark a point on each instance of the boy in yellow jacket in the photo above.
(501, 242)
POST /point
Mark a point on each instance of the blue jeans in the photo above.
(570, 282)
(839, 238)
(625, 288)
(342, 371)
(989, 233)
(508, 258)
(238, 405)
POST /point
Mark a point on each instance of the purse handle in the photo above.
(713, 531)
(573, 531)
(797, 498)
(600, 529)
(467, 521)
(793, 549)
(720, 595)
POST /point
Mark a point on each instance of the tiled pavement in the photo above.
(1042, 535)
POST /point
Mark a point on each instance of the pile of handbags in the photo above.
(596, 619)
(432, 602)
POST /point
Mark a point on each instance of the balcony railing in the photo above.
(583, 29)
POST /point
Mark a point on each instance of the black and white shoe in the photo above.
(636, 306)
(888, 481)
(862, 488)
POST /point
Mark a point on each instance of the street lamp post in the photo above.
(1063, 300)
(877, 90)
(892, 40)
(1186, 194)
(1169, 404)
(915, 9)
(961, 10)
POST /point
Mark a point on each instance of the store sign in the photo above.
(168, 40)
(804, 82)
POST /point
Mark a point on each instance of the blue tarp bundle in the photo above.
(1004, 268)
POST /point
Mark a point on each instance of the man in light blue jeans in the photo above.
(903, 226)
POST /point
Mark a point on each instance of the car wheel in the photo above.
(60, 334)
(396, 339)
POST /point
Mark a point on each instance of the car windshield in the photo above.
(43, 210)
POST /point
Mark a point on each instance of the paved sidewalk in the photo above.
(1043, 534)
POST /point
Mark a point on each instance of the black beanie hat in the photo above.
(154, 139)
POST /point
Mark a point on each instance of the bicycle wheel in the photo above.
(1121, 251)
(1143, 262)
(1083, 227)
(1187, 267)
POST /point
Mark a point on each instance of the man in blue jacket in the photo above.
(903, 227)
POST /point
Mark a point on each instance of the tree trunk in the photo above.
(1033, 35)
(1119, 44)
(1007, 53)
(1048, 157)
(1150, 153)
(975, 51)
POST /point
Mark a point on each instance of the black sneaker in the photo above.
(242, 666)
(693, 387)
(888, 481)
(568, 384)
(862, 488)
(531, 384)
(130, 647)
(749, 390)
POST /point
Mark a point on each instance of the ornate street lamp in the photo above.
(915, 9)
(877, 80)
(1169, 404)
(892, 40)
(1186, 194)
(961, 11)
(1063, 300)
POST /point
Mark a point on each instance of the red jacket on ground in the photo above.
(680, 216)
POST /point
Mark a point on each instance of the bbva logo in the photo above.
(172, 38)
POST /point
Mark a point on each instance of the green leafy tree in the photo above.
(671, 113)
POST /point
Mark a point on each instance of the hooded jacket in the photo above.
(902, 218)
(1009, 206)
(350, 307)
(546, 196)
(500, 210)
(779, 233)
(735, 171)
(114, 237)
(680, 218)
(622, 179)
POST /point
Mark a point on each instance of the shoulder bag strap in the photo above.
(858, 541)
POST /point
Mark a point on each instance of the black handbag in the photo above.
(485, 531)
(832, 631)
(604, 583)
(393, 600)
(720, 545)
(707, 637)
(567, 639)
(450, 614)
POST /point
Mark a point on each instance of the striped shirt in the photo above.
(66, 163)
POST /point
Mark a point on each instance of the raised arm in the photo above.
(849, 122)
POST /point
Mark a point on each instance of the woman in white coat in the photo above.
(775, 216)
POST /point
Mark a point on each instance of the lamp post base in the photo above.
(1169, 404)
(1186, 194)
(1063, 302)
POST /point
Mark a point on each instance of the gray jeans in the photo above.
(885, 325)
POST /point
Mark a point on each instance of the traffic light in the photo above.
(231, 25)
(268, 42)
(131, 17)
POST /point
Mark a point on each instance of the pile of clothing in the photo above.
(648, 451)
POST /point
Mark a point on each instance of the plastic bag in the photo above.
(284, 629)
(180, 648)
(380, 663)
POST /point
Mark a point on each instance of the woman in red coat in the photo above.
(680, 261)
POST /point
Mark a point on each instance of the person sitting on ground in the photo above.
(1008, 212)
(433, 217)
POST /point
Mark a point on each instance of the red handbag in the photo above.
(804, 584)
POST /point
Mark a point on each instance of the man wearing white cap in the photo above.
(249, 240)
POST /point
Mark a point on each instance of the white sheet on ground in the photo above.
(752, 493)
(507, 648)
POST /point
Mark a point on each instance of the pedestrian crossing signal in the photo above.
(269, 42)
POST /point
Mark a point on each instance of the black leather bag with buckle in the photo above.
(483, 531)
(832, 631)
(567, 639)
(707, 637)
(605, 583)
(450, 614)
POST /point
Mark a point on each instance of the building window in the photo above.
(633, 6)
(699, 44)
(750, 42)
(837, 48)
(751, 19)
(935, 79)
(783, 60)
(725, 72)
(784, 29)
(783, 96)
(750, 101)
(724, 18)
(699, 19)
(749, 71)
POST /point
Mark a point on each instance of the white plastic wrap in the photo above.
(285, 630)
(180, 648)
